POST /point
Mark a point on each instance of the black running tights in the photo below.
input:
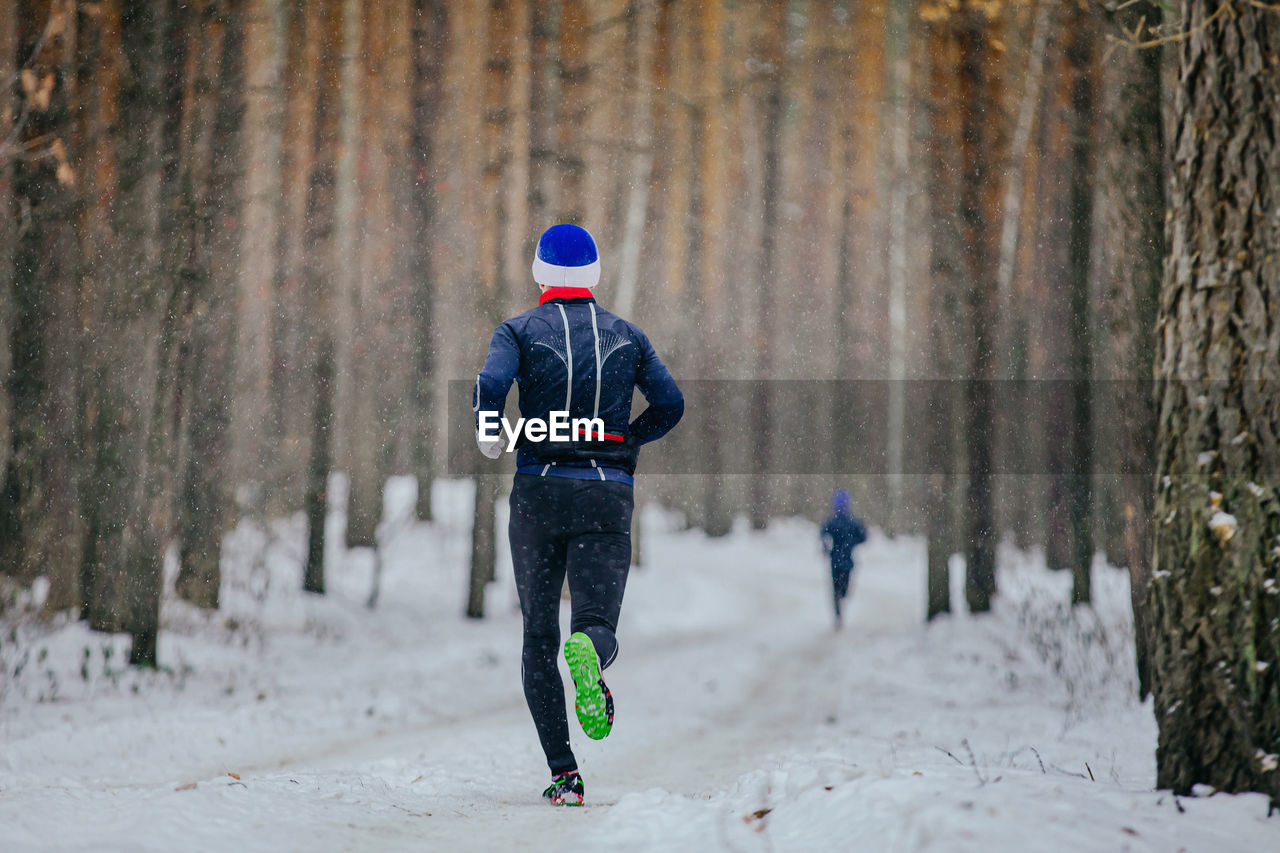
(583, 528)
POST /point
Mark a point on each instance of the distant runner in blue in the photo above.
(571, 499)
(840, 535)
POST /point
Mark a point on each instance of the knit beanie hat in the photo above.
(566, 257)
(840, 501)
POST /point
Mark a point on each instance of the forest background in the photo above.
(912, 248)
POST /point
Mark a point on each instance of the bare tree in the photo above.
(324, 21)
(430, 29)
(212, 186)
(978, 82)
(490, 277)
(8, 73)
(1133, 172)
(1215, 618)
(942, 443)
(39, 508)
(1082, 25)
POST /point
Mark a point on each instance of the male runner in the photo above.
(571, 501)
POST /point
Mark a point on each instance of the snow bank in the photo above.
(745, 722)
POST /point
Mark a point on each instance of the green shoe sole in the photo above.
(593, 702)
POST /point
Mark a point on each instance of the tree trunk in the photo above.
(898, 62)
(772, 56)
(430, 31)
(355, 416)
(213, 236)
(483, 543)
(257, 303)
(1082, 23)
(1133, 164)
(39, 511)
(326, 17)
(641, 33)
(137, 334)
(317, 497)
(158, 49)
(574, 103)
(291, 42)
(100, 92)
(1215, 612)
(978, 82)
(491, 281)
(942, 169)
(8, 65)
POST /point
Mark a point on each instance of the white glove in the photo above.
(491, 447)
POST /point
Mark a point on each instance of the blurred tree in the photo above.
(1082, 26)
(39, 508)
(430, 30)
(324, 23)
(943, 449)
(359, 207)
(8, 72)
(255, 439)
(574, 103)
(489, 277)
(1132, 177)
(99, 86)
(979, 32)
(141, 333)
(770, 56)
(211, 188)
(544, 99)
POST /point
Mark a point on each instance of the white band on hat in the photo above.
(555, 276)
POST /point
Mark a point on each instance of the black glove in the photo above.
(631, 445)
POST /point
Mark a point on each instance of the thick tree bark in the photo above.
(1215, 609)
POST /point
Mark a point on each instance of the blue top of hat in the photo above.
(840, 501)
(567, 246)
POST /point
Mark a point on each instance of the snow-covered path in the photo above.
(744, 721)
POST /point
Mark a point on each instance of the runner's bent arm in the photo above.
(666, 403)
(499, 371)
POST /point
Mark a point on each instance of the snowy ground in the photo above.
(286, 722)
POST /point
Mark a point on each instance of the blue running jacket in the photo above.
(569, 354)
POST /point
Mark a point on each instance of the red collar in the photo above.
(564, 293)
